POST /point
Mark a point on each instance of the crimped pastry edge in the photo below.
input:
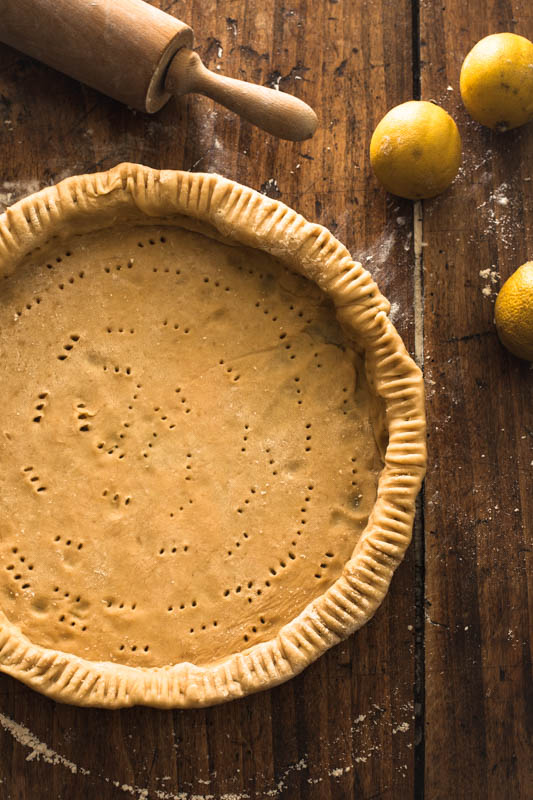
(131, 191)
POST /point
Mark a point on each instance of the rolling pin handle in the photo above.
(276, 112)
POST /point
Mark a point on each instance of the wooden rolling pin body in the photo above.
(127, 50)
(120, 47)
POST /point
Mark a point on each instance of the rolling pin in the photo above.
(140, 56)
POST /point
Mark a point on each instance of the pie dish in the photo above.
(212, 440)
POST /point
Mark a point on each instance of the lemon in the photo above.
(497, 81)
(513, 312)
(415, 150)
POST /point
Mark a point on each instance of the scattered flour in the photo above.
(271, 188)
(394, 312)
(492, 277)
(378, 253)
(499, 195)
(403, 727)
(489, 273)
(339, 772)
(496, 217)
(39, 750)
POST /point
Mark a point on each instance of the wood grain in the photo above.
(479, 497)
(346, 727)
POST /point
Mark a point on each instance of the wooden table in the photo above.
(433, 697)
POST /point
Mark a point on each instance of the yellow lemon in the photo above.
(513, 312)
(415, 150)
(497, 81)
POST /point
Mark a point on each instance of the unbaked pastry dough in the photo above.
(212, 438)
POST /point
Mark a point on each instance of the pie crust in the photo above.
(212, 440)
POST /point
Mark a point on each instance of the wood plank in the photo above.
(345, 727)
(479, 501)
